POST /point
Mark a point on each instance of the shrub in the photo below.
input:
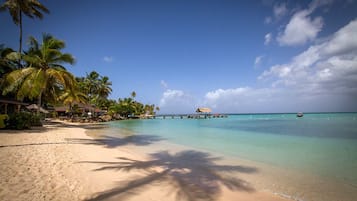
(36, 120)
(19, 121)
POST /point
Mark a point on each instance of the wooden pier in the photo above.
(188, 116)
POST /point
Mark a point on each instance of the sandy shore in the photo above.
(60, 162)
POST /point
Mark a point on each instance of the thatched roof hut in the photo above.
(203, 110)
(35, 108)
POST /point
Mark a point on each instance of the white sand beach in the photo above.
(60, 162)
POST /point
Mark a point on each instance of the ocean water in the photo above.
(319, 144)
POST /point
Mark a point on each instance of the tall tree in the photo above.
(96, 87)
(104, 88)
(8, 63)
(69, 97)
(91, 85)
(45, 71)
(18, 8)
(7, 60)
(133, 94)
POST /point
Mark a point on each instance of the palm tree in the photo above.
(90, 85)
(71, 96)
(96, 87)
(44, 73)
(16, 8)
(104, 88)
(133, 94)
(8, 63)
(6, 60)
(125, 107)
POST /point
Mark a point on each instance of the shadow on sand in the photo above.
(191, 175)
(112, 142)
(106, 141)
(54, 125)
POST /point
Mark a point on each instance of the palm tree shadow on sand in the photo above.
(112, 142)
(191, 175)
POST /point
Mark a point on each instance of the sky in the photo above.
(233, 56)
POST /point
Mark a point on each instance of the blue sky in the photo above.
(232, 56)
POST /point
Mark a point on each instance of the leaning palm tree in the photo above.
(44, 72)
(30, 8)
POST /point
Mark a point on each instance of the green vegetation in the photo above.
(39, 75)
(44, 75)
(128, 107)
(97, 88)
(23, 120)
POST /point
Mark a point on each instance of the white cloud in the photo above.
(268, 20)
(164, 84)
(344, 41)
(267, 38)
(301, 29)
(108, 59)
(329, 68)
(247, 100)
(318, 3)
(258, 60)
(280, 10)
(177, 101)
(321, 78)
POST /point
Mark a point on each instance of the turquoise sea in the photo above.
(323, 144)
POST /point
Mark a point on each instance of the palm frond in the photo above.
(13, 8)
(15, 79)
(32, 8)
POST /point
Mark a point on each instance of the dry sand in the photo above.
(60, 162)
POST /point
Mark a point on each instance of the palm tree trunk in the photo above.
(39, 103)
(20, 47)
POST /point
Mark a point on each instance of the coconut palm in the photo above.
(90, 85)
(30, 8)
(102, 92)
(133, 94)
(71, 96)
(6, 62)
(96, 87)
(125, 107)
(104, 88)
(45, 73)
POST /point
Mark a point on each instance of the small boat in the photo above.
(299, 114)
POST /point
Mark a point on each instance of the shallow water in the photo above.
(324, 145)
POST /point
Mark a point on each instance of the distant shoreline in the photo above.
(260, 113)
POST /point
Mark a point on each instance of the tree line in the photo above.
(39, 75)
